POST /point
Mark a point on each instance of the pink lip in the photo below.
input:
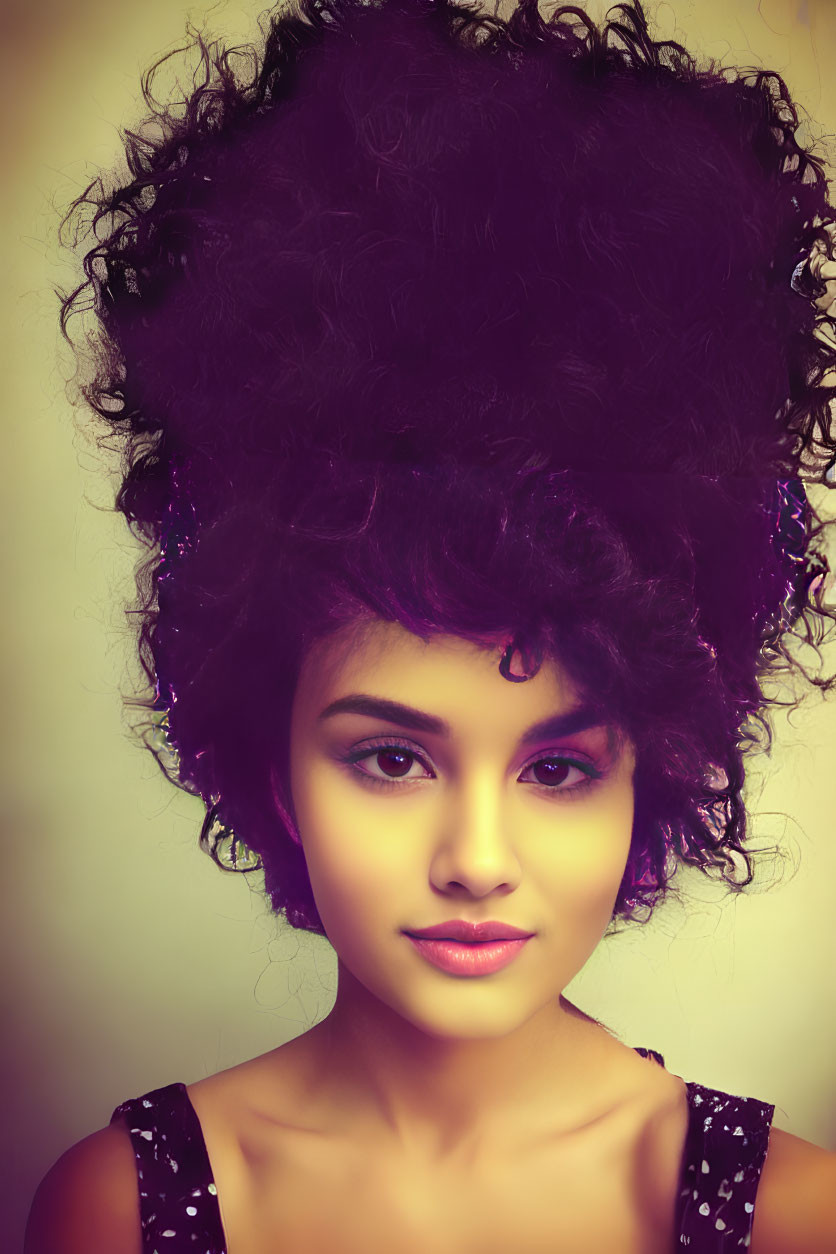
(463, 958)
(463, 930)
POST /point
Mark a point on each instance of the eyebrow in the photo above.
(579, 719)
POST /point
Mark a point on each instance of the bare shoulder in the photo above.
(795, 1210)
(89, 1199)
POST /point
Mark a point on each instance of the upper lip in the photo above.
(461, 930)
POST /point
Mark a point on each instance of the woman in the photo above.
(467, 373)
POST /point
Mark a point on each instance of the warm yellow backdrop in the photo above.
(131, 961)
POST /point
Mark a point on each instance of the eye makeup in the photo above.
(588, 774)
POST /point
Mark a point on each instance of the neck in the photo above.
(435, 1097)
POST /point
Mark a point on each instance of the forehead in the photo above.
(385, 658)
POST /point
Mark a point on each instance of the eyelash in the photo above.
(369, 750)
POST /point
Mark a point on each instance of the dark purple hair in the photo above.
(478, 326)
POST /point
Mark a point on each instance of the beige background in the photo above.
(131, 961)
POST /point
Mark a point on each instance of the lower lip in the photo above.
(459, 958)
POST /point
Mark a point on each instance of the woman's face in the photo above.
(476, 817)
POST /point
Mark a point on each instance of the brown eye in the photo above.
(387, 764)
(552, 771)
(395, 762)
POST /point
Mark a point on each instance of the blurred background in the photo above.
(131, 961)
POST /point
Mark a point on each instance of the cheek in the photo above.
(581, 867)
(353, 852)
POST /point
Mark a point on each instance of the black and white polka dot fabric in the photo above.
(178, 1201)
(725, 1149)
(724, 1153)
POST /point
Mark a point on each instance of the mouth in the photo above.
(466, 933)
(468, 958)
(455, 940)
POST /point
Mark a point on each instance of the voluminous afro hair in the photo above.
(478, 326)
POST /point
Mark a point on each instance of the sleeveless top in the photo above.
(724, 1152)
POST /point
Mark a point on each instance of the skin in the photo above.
(442, 1067)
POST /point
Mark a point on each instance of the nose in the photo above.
(475, 851)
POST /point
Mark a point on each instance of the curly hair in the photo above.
(478, 326)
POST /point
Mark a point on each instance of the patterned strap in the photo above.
(178, 1201)
(725, 1151)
